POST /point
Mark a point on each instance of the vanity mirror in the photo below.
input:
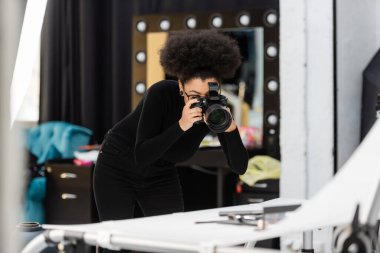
(254, 91)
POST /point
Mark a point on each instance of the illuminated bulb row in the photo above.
(272, 118)
(216, 21)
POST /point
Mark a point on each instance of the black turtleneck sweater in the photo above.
(153, 130)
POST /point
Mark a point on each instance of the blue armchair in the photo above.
(56, 139)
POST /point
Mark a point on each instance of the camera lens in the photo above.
(218, 118)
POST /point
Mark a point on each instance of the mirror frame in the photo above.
(258, 18)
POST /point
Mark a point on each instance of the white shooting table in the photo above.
(177, 232)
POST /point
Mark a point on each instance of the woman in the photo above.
(137, 160)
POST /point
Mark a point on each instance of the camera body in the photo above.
(214, 108)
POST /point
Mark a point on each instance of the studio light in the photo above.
(217, 21)
(141, 26)
(140, 88)
(244, 19)
(165, 25)
(191, 23)
(272, 85)
(141, 57)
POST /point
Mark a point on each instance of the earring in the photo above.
(181, 93)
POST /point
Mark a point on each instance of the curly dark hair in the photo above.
(203, 54)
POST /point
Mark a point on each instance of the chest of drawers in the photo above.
(69, 195)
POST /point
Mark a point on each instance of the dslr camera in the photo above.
(214, 109)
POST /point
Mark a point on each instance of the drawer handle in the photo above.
(68, 196)
(254, 200)
(262, 185)
(68, 175)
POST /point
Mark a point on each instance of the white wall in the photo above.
(358, 38)
(293, 98)
(320, 94)
(307, 86)
(306, 74)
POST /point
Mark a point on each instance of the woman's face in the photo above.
(195, 88)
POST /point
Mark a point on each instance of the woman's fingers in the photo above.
(196, 112)
(196, 119)
(190, 102)
(190, 115)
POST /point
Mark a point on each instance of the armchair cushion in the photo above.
(56, 139)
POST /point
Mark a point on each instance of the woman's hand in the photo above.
(190, 115)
